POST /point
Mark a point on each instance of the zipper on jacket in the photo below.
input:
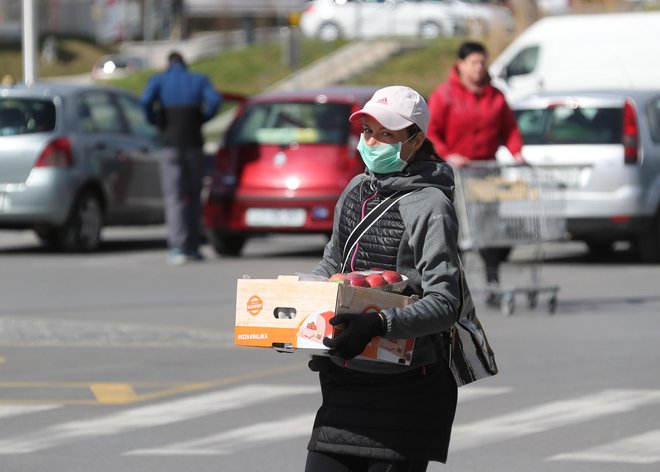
(451, 343)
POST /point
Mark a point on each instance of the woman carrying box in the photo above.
(378, 416)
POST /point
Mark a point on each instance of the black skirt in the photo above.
(405, 416)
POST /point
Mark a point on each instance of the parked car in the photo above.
(74, 158)
(282, 165)
(117, 66)
(349, 19)
(555, 7)
(603, 147)
(483, 17)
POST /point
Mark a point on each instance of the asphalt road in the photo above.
(115, 361)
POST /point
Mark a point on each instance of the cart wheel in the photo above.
(532, 299)
(507, 304)
(552, 304)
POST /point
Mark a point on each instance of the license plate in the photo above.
(571, 177)
(276, 217)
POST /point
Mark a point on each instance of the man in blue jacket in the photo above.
(178, 102)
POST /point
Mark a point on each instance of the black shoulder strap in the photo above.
(368, 221)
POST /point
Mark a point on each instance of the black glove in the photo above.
(319, 363)
(358, 330)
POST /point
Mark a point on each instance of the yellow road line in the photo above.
(123, 393)
(113, 393)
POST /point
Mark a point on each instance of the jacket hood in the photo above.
(454, 80)
(418, 174)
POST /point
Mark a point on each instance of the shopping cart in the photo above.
(508, 206)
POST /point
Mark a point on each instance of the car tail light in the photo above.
(223, 177)
(630, 135)
(57, 153)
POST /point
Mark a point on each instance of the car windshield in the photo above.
(292, 122)
(23, 116)
(571, 125)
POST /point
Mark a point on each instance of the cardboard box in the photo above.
(293, 315)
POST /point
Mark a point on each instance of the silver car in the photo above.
(73, 159)
(604, 148)
(350, 19)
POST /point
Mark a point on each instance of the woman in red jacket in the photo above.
(469, 120)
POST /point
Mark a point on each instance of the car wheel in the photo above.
(430, 30)
(82, 231)
(226, 245)
(329, 32)
(648, 243)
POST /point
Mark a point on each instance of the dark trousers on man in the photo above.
(492, 258)
(181, 173)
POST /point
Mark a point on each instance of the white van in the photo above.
(599, 51)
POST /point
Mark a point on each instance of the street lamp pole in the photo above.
(148, 30)
(29, 42)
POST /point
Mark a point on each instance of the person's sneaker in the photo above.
(176, 258)
(493, 295)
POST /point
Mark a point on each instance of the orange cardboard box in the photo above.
(290, 314)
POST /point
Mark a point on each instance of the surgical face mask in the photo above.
(383, 158)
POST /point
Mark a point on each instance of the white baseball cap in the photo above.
(396, 107)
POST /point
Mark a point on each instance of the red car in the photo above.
(284, 161)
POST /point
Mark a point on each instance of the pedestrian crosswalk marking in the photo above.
(238, 439)
(470, 393)
(7, 411)
(641, 449)
(549, 416)
(300, 426)
(150, 416)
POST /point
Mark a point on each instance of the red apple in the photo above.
(392, 277)
(338, 277)
(375, 280)
(357, 280)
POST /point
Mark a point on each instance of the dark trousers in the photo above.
(492, 258)
(181, 174)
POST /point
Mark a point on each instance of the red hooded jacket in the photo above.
(471, 125)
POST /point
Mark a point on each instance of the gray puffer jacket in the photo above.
(417, 237)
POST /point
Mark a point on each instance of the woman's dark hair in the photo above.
(412, 130)
(427, 147)
(470, 47)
